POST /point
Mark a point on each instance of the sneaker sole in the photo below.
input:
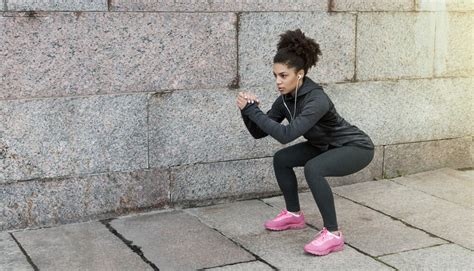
(327, 251)
(287, 227)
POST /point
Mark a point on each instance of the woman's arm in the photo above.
(243, 101)
(253, 128)
(314, 109)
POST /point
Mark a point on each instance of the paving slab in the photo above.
(255, 265)
(363, 228)
(237, 218)
(243, 221)
(83, 246)
(12, 258)
(178, 241)
(284, 250)
(444, 257)
(419, 209)
(445, 183)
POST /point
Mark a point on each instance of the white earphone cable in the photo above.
(292, 117)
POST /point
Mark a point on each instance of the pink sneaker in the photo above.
(325, 243)
(284, 220)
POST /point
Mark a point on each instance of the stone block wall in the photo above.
(112, 107)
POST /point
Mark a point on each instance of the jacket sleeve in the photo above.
(313, 110)
(273, 114)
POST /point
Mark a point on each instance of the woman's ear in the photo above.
(300, 74)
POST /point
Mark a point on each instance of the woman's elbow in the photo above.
(284, 140)
(259, 136)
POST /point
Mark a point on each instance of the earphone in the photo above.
(292, 116)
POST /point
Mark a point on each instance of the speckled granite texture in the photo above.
(68, 54)
(113, 107)
(63, 200)
(218, 5)
(259, 35)
(71, 136)
(57, 5)
(372, 5)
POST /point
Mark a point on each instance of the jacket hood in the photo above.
(307, 86)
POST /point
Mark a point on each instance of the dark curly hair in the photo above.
(297, 51)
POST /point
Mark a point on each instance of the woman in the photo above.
(334, 147)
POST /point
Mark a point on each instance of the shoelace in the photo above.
(282, 213)
(320, 236)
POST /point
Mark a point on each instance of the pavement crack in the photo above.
(223, 265)
(357, 249)
(258, 258)
(427, 193)
(129, 244)
(28, 258)
(403, 222)
(267, 203)
(244, 248)
(394, 253)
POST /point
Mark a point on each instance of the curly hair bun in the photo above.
(296, 42)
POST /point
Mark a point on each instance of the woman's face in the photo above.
(286, 78)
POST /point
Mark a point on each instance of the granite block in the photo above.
(66, 54)
(203, 126)
(57, 5)
(284, 250)
(255, 265)
(445, 183)
(404, 111)
(213, 182)
(394, 45)
(12, 257)
(84, 246)
(371, 5)
(445, 257)
(367, 230)
(259, 35)
(218, 5)
(454, 53)
(65, 136)
(472, 150)
(178, 241)
(444, 5)
(403, 159)
(65, 200)
(437, 216)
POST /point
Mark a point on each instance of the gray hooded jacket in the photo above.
(316, 120)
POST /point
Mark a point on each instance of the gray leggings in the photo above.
(336, 161)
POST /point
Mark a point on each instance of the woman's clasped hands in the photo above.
(245, 98)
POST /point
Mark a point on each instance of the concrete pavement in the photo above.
(421, 221)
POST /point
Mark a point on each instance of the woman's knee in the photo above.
(312, 169)
(279, 158)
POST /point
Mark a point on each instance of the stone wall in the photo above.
(111, 107)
